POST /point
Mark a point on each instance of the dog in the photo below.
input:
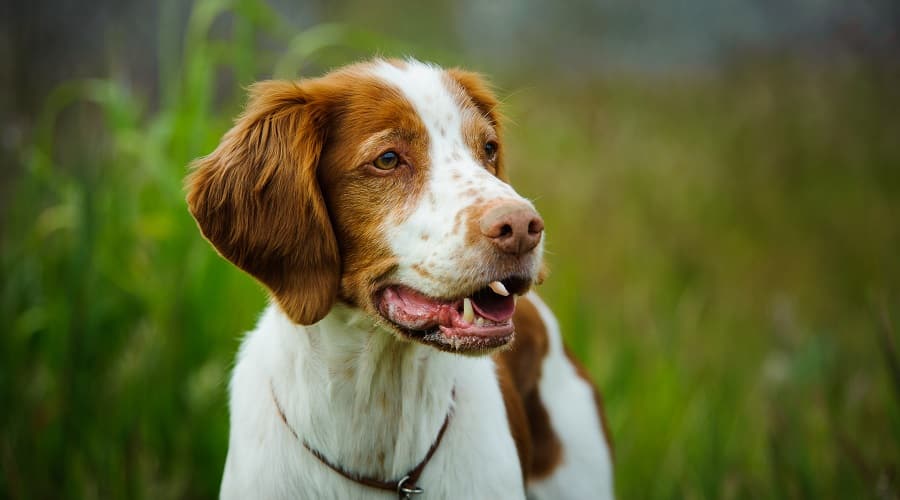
(403, 352)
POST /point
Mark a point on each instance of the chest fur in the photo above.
(477, 457)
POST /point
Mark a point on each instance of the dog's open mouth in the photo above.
(480, 321)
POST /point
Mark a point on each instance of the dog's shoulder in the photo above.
(556, 414)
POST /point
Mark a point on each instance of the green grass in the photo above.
(723, 253)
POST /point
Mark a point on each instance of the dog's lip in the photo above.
(498, 330)
(515, 284)
(443, 321)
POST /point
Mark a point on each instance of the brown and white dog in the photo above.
(373, 204)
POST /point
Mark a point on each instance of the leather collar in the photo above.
(404, 487)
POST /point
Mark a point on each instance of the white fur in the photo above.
(453, 171)
(354, 392)
(586, 469)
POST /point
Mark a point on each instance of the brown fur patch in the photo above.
(523, 363)
(471, 218)
(458, 221)
(485, 123)
(291, 197)
(548, 452)
(518, 420)
(543, 273)
(359, 199)
(530, 347)
(422, 271)
(256, 199)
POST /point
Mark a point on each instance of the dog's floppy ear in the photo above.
(479, 91)
(257, 200)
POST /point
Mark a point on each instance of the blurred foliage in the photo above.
(724, 256)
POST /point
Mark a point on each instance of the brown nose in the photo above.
(514, 227)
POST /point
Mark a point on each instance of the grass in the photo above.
(723, 254)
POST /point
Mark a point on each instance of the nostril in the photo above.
(514, 228)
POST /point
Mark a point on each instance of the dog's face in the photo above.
(381, 185)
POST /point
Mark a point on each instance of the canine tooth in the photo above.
(468, 312)
(498, 288)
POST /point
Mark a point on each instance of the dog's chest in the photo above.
(479, 460)
(476, 458)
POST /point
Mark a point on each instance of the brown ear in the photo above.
(257, 200)
(482, 96)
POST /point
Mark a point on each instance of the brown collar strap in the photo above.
(405, 487)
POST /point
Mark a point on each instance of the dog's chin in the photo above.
(474, 323)
(475, 341)
(458, 343)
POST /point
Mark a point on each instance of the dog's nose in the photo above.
(513, 227)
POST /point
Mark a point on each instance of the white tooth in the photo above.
(468, 312)
(498, 288)
(479, 321)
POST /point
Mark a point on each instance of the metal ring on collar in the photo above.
(406, 491)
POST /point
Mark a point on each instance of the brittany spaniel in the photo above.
(402, 352)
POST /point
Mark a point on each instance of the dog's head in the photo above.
(381, 185)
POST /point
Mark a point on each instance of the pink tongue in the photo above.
(494, 307)
(416, 311)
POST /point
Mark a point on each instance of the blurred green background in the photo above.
(720, 182)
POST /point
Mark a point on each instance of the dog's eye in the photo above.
(490, 150)
(387, 161)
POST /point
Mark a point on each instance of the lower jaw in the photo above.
(457, 340)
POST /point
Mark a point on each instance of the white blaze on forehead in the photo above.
(428, 238)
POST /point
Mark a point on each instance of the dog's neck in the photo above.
(352, 377)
